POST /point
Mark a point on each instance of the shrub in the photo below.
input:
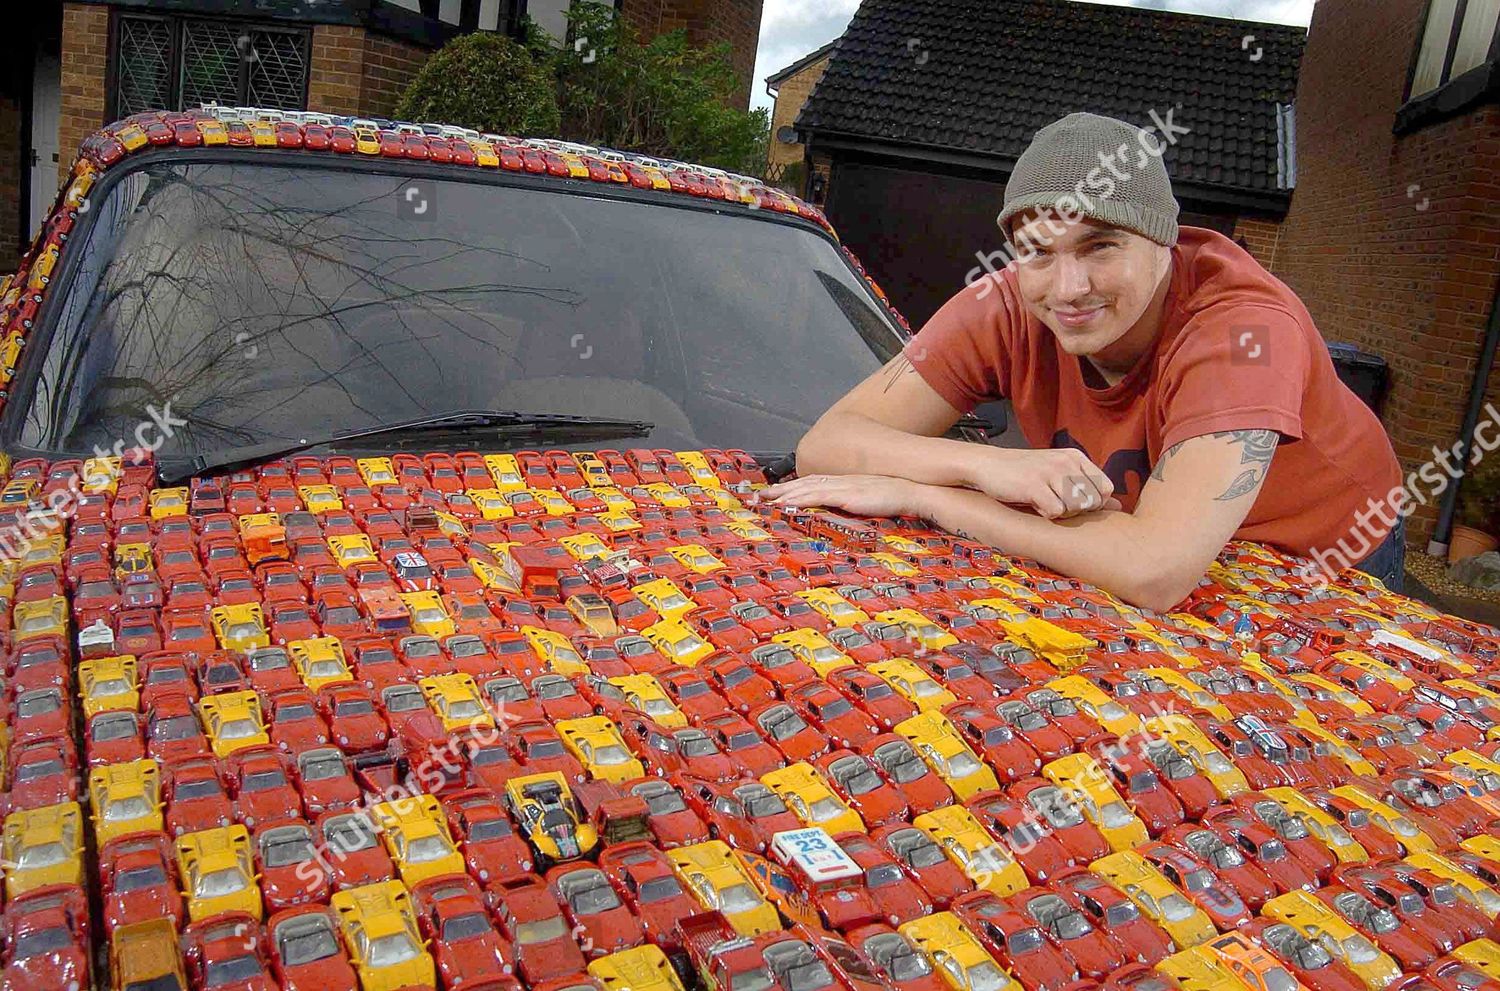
(487, 82)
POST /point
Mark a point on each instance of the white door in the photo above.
(46, 90)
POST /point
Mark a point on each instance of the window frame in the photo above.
(1453, 95)
(176, 24)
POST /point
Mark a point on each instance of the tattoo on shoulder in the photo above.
(900, 367)
(1256, 449)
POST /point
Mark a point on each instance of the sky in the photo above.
(789, 29)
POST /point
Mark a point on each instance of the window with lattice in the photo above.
(176, 63)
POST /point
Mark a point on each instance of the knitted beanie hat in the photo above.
(1086, 165)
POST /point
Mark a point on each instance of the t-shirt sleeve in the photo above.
(960, 352)
(1244, 368)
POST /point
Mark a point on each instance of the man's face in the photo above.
(1090, 283)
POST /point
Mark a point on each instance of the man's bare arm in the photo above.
(892, 424)
(1198, 495)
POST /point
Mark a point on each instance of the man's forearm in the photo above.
(853, 444)
(1116, 551)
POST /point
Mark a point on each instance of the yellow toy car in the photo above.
(696, 558)
(808, 796)
(593, 612)
(380, 930)
(320, 499)
(41, 618)
(1483, 955)
(350, 549)
(921, 629)
(976, 852)
(233, 721)
(1323, 925)
(833, 607)
(42, 846)
(1081, 777)
(1093, 702)
(456, 700)
(428, 616)
(679, 643)
(665, 598)
(641, 968)
(1387, 819)
(491, 503)
(549, 818)
(711, 875)
(937, 742)
(241, 627)
(1324, 827)
(957, 954)
(1191, 742)
(108, 683)
(217, 872)
(319, 661)
(597, 744)
(165, 503)
(415, 832)
(1158, 899)
(1470, 888)
(146, 955)
(645, 693)
(125, 798)
(554, 651)
(377, 472)
(584, 546)
(912, 684)
(815, 650)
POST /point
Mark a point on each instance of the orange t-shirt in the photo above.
(1237, 351)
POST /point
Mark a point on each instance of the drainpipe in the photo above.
(1438, 545)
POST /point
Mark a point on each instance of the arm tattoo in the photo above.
(1256, 449)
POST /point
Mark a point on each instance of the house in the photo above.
(93, 61)
(790, 88)
(926, 104)
(1393, 237)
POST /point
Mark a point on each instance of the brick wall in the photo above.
(1261, 238)
(1392, 242)
(790, 96)
(85, 48)
(706, 22)
(11, 207)
(354, 71)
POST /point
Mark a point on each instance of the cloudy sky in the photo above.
(789, 29)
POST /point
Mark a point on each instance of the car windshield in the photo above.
(235, 970)
(34, 944)
(387, 951)
(302, 943)
(303, 294)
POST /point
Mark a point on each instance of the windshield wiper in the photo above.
(510, 425)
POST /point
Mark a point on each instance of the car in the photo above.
(307, 951)
(455, 922)
(1157, 898)
(549, 817)
(599, 917)
(955, 952)
(379, 926)
(531, 919)
(217, 872)
(643, 876)
(46, 939)
(717, 880)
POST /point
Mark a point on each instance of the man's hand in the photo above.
(1057, 483)
(863, 495)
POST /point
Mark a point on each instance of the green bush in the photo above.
(485, 81)
(605, 87)
(662, 98)
(1479, 497)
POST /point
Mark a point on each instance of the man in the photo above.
(1176, 395)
